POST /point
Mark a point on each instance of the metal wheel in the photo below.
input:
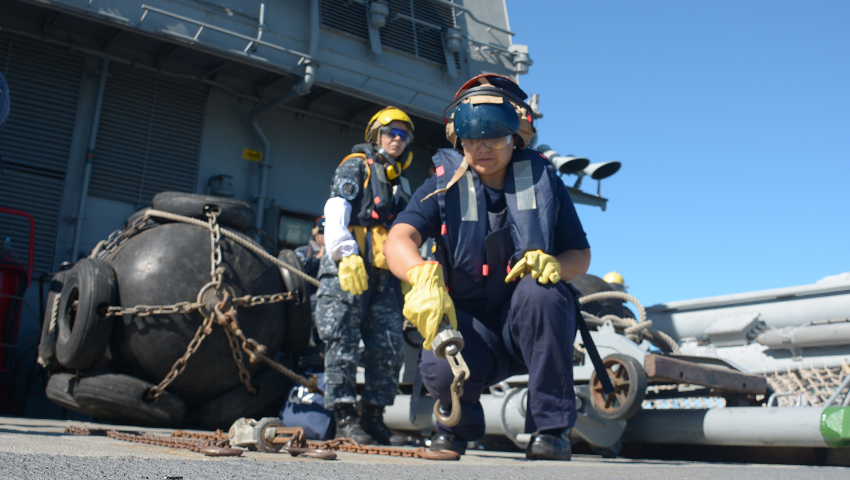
(264, 434)
(629, 381)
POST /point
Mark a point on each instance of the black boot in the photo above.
(447, 441)
(372, 421)
(348, 424)
(550, 445)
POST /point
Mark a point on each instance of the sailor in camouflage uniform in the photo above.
(359, 299)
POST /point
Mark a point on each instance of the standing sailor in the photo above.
(498, 208)
(359, 298)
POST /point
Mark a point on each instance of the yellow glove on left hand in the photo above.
(542, 266)
(352, 275)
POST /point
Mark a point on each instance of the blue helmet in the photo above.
(4, 101)
(485, 120)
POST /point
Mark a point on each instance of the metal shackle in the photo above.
(448, 342)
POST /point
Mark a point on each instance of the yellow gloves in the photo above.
(428, 301)
(352, 275)
(544, 267)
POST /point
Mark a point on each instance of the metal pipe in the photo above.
(98, 107)
(845, 383)
(302, 88)
(731, 426)
(824, 335)
(260, 26)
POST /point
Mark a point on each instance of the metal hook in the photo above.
(457, 391)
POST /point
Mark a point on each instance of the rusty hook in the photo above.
(457, 391)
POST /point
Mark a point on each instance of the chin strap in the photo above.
(459, 173)
(394, 168)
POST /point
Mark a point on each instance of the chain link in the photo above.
(349, 445)
(216, 272)
(228, 320)
(148, 310)
(180, 365)
(118, 237)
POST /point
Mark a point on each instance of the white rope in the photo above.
(632, 329)
(250, 245)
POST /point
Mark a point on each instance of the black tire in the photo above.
(272, 388)
(234, 213)
(60, 390)
(629, 381)
(119, 398)
(83, 334)
(47, 344)
(588, 284)
(299, 314)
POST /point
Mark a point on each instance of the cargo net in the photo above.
(808, 386)
(676, 402)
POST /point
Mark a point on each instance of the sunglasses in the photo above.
(491, 143)
(397, 132)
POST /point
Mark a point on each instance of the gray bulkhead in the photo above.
(176, 103)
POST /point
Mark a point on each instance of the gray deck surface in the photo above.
(38, 449)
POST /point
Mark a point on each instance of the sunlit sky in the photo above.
(732, 121)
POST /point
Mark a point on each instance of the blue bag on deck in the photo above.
(307, 410)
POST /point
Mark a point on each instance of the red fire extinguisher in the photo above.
(14, 281)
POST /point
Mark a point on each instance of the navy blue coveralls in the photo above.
(509, 329)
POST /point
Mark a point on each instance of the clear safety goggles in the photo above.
(472, 145)
(397, 132)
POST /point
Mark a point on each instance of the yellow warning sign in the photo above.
(252, 155)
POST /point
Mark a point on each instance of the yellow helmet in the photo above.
(384, 117)
(614, 277)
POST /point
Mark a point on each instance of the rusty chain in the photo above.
(255, 350)
(180, 365)
(349, 445)
(228, 320)
(209, 444)
(217, 444)
(117, 238)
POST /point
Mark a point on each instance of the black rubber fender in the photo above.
(234, 213)
(272, 388)
(83, 334)
(47, 344)
(168, 264)
(588, 284)
(120, 398)
(299, 314)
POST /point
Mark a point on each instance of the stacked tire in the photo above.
(103, 366)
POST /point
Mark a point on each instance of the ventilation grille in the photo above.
(401, 34)
(149, 138)
(44, 83)
(346, 16)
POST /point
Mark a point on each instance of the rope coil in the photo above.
(631, 328)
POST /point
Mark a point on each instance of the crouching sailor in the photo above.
(507, 239)
(358, 297)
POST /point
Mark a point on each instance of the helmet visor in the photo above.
(397, 132)
(473, 145)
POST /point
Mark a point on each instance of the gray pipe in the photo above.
(825, 335)
(303, 88)
(731, 426)
(98, 107)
